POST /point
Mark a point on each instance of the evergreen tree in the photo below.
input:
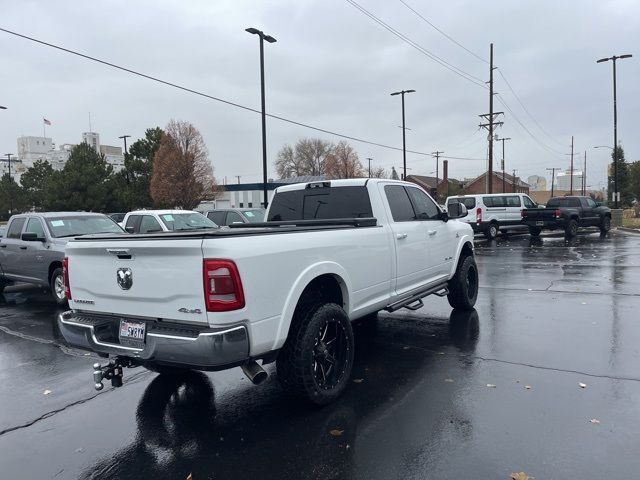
(34, 181)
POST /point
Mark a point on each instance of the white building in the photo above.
(31, 149)
(563, 180)
(537, 183)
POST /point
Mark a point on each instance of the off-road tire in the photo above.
(297, 359)
(535, 231)
(463, 287)
(605, 224)
(571, 230)
(492, 231)
(56, 276)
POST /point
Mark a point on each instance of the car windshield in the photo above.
(186, 221)
(254, 216)
(81, 225)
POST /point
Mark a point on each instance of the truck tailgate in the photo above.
(538, 214)
(138, 278)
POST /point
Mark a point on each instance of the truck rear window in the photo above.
(563, 202)
(321, 203)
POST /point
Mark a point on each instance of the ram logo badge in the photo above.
(124, 276)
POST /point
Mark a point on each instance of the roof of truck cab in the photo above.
(57, 214)
(161, 212)
(346, 182)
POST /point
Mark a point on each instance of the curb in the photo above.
(632, 231)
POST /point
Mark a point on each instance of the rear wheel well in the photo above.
(323, 289)
(52, 268)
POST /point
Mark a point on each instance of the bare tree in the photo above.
(343, 162)
(379, 172)
(307, 158)
(182, 175)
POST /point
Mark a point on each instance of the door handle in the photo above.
(3, 246)
(23, 248)
(432, 232)
(401, 236)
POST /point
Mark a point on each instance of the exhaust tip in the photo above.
(254, 372)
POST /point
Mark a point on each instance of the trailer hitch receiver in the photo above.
(111, 371)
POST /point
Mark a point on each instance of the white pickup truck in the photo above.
(285, 290)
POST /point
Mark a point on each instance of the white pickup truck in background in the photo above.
(284, 291)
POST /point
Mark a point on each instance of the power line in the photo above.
(443, 33)
(210, 97)
(525, 108)
(458, 71)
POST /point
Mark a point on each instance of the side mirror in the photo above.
(128, 229)
(31, 237)
(457, 210)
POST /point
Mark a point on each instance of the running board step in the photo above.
(414, 302)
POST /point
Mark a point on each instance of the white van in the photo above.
(490, 213)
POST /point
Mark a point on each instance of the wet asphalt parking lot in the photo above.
(435, 393)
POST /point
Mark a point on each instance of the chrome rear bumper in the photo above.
(165, 343)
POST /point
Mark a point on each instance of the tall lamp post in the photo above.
(124, 137)
(270, 39)
(8, 155)
(503, 140)
(616, 193)
(404, 143)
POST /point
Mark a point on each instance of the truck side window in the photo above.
(149, 224)
(401, 208)
(15, 228)
(591, 203)
(425, 208)
(234, 217)
(131, 222)
(34, 225)
(528, 203)
(217, 217)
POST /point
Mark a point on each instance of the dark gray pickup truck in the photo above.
(568, 214)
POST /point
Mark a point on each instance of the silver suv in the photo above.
(32, 249)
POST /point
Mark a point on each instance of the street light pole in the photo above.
(124, 137)
(616, 194)
(369, 166)
(404, 144)
(269, 39)
(502, 140)
(553, 176)
(8, 155)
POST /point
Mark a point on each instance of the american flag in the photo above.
(46, 122)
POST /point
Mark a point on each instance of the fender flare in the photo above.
(304, 279)
(466, 238)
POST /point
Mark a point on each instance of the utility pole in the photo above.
(584, 175)
(514, 181)
(490, 118)
(238, 177)
(502, 140)
(437, 155)
(368, 158)
(553, 177)
(571, 171)
(404, 143)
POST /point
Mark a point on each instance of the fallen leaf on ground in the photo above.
(46, 392)
(405, 348)
(520, 476)
(448, 380)
(527, 387)
(595, 421)
(582, 385)
(357, 380)
(189, 477)
(335, 432)
(491, 385)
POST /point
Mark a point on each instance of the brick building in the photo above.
(445, 185)
(509, 184)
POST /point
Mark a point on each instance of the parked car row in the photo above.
(32, 245)
(491, 214)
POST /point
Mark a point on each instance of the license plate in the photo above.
(539, 224)
(132, 330)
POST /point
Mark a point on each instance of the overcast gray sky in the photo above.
(332, 67)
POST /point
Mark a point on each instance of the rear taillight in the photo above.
(479, 215)
(65, 278)
(558, 213)
(521, 213)
(222, 286)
